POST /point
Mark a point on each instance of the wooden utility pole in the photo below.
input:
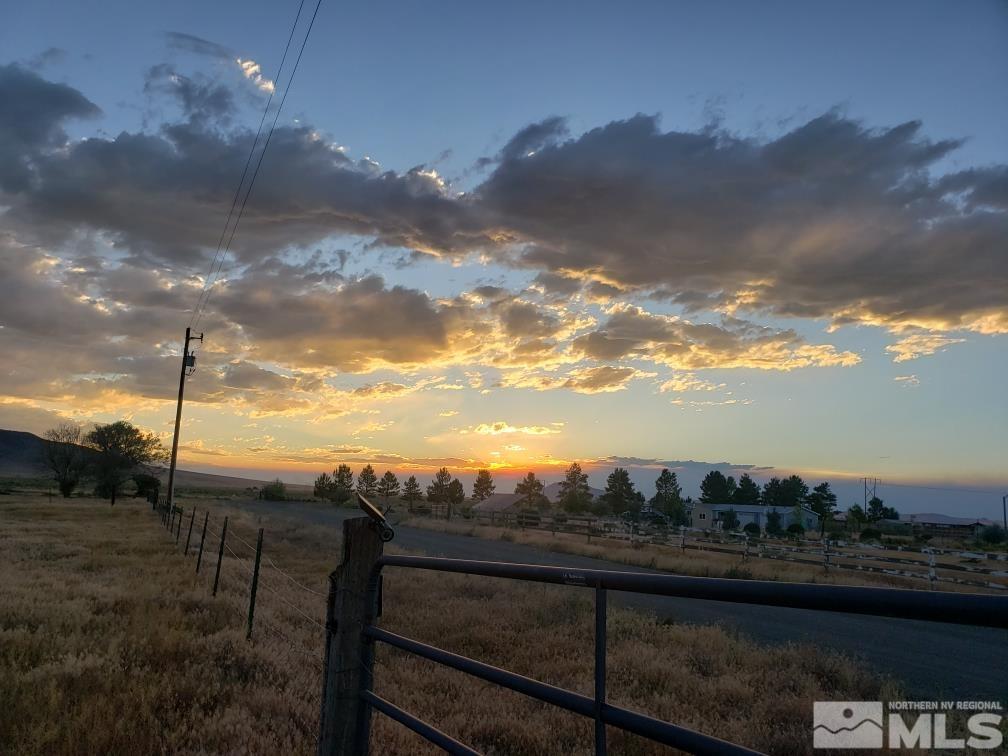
(344, 725)
(188, 362)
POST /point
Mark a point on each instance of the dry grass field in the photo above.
(111, 643)
(702, 563)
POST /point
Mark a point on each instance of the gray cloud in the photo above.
(348, 328)
(47, 57)
(633, 332)
(198, 46)
(831, 220)
(708, 218)
(31, 120)
(200, 99)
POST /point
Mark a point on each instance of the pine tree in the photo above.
(668, 497)
(822, 501)
(456, 492)
(796, 491)
(620, 495)
(411, 492)
(483, 488)
(323, 486)
(575, 494)
(342, 484)
(437, 491)
(716, 488)
(388, 486)
(747, 491)
(367, 482)
(773, 493)
(530, 488)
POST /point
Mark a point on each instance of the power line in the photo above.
(262, 154)
(248, 162)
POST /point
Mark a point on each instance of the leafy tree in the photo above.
(747, 491)
(437, 491)
(388, 486)
(620, 495)
(324, 485)
(856, 515)
(367, 482)
(484, 486)
(120, 448)
(877, 510)
(343, 485)
(64, 455)
(530, 488)
(147, 486)
(729, 520)
(668, 497)
(411, 492)
(773, 523)
(273, 491)
(715, 488)
(822, 501)
(575, 494)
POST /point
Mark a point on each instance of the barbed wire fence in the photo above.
(267, 599)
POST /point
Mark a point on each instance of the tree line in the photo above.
(619, 497)
(109, 456)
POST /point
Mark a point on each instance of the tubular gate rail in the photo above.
(352, 632)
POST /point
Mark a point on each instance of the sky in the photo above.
(763, 237)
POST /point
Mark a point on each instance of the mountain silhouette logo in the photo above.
(847, 724)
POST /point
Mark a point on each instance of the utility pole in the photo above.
(873, 489)
(1004, 511)
(188, 365)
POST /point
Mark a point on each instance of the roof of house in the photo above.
(498, 502)
(762, 508)
(933, 518)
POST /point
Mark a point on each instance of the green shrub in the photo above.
(752, 529)
(796, 529)
(274, 491)
(870, 534)
(992, 534)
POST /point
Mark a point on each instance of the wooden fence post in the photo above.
(344, 725)
(220, 557)
(199, 559)
(255, 586)
(189, 535)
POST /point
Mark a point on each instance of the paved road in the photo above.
(934, 661)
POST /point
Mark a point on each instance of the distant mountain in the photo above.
(21, 456)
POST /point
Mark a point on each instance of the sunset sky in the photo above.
(516, 235)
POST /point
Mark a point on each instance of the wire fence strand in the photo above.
(300, 585)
